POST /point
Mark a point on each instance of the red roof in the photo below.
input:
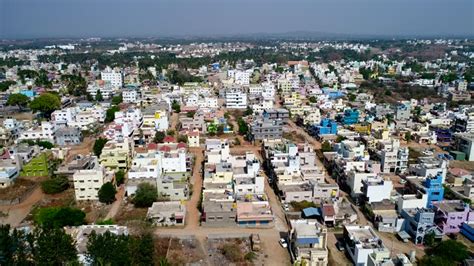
(169, 139)
(328, 210)
(182, 145)
(165, 148)
(152, 146)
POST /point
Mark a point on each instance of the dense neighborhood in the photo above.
(140, 152)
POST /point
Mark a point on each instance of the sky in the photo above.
(162, 18)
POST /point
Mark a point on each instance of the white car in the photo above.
(283, 243)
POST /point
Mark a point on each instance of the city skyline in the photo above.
(163, 18)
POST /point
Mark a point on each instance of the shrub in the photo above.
(107, 193)
(145, 195)
(57, 217)
(55, 185)
(119, 177)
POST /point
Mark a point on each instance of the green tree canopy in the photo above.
(110, 114)
(176, 106)
(46, 103)
(55, 185)
(18, 99)
(57, 217)
(159, 137)
(119, 177)
(98, 146)
(98, 96)
(107, 193)
(54, 247)
(118, 99)
(145, 195)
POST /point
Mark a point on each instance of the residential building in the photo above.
(167, 213)
(419, 222)
(265, 129)
(8, 175)
(113, 77)
(88, 182)
(235, 99)
(219, 213)
(68, 136)
(254, 214)
(362, 241)
(308, 240)
(451, 214)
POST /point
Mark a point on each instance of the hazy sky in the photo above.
(121, 18)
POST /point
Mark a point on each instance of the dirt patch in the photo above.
(223, 251)
(19, 188)
(467, 165)
(184, 251)
(129, 213)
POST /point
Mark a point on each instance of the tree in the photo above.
(451, 250)
(110, 114)
(116, 100)
(243, 127)
(351, 97)
(54, 247)
(176, 106)
(55, 185)
(326, 146)
(5, 85)
(248, 111)
(18, 99)
(312, 99)
(98, 146)
(98, 96)
(119, 177)
(13, 246)
(429, 239)
(107, 193)
(108, 249)
(408, 136)
(141, 250)
(159, 137)
(182, 138)
(57, 217)
(46, 103)
(45, 144)
(190, 114)
(145, 195)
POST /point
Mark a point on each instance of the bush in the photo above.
(145, 195)
(119, 177)
(231, 252)
(45, 144)
(57, 217)
(99, 145)
(298, 206)
(105, 222)
(55, 185)
(250, 256)
(107, 193)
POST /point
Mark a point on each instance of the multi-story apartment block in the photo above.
(308, 242)
(114, 77)
(235, 99)
(88, 182)
(362, 241)
(266, 129)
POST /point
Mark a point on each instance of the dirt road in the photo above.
(193, 215)
(17, 213)
(117, 203)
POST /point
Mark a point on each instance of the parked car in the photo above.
(283, 243)
(286, 207)
(340, 246)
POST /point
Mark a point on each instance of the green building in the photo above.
(38, 166)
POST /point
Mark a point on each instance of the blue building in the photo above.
(351, 116)
(444, 135)
(420, 222)
(332, 93)
(468, 231)
(326, 127)
(433, 187)
(28, 93)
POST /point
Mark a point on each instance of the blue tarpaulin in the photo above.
(311, 211)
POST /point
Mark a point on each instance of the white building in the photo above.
(377, 189)
(362, 241)
(43, 132)
(236, 99)
(114, 77)
(88, 182)
(130, 96)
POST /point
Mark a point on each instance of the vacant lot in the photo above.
(18, 189)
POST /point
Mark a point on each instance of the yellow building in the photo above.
(116, 154)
